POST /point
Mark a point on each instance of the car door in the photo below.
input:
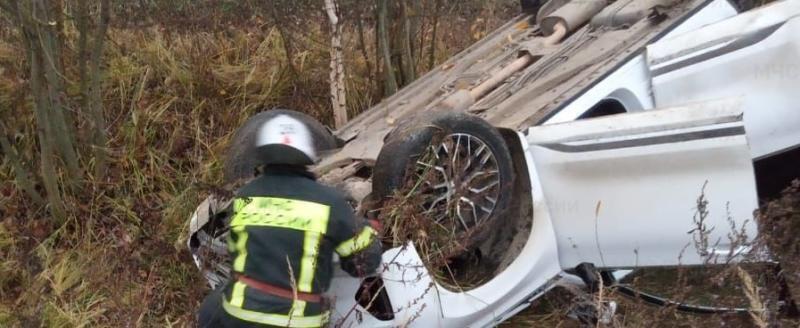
(753, 55)
(623, 190)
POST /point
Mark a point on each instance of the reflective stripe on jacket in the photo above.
(284, 231)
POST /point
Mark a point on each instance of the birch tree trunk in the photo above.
(338, 95)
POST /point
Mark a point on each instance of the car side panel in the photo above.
(754, 56)
(623, 189)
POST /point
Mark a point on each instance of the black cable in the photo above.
(683, 307)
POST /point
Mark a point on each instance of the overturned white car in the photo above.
(581, 137)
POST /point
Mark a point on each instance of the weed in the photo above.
(172, 96)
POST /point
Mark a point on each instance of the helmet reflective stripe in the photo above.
(287, 131)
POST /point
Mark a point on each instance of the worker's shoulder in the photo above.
(332, 195)
(255, 187)
(293, 187)
(317, 192)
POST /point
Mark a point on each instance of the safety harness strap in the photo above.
(278, 291)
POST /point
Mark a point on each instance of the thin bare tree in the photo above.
(338, 95)
(40, 24)
(409, 31)
(90, 77)
(21, 174)
(432, 49)
(390, 81)
(362, 46)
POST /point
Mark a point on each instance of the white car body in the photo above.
(702, 103)
(698, 136)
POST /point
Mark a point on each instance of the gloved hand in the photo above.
(374, 221)
(372, 216)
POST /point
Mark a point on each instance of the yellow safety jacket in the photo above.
(285, 229)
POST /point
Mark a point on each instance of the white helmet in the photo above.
(285, 140)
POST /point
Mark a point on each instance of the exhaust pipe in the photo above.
(463, 99)
(569, 17)
(556, 24)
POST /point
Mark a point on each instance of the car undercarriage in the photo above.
(567, 143)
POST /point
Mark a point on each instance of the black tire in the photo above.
(240, 163)
(405, 145)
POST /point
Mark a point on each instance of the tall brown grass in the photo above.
(172, 98)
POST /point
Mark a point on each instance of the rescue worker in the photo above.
(284, 230)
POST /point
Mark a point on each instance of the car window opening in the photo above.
(608, 106)
(372, 296)
(776, 173)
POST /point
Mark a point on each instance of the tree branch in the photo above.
(82, 24)
(51, 69)
(432, 51)
(7, 7)
(390, 83)
(44, 132)
(99, 137)
(22, 176)
(409, 71)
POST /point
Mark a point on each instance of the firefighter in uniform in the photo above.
(284, 230)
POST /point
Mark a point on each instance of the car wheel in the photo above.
(458, 165)
(240, 163)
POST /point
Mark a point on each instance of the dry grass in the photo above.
(553, 310)
(747, 285)
(172, 99)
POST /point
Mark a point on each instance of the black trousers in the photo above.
(212, 315)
